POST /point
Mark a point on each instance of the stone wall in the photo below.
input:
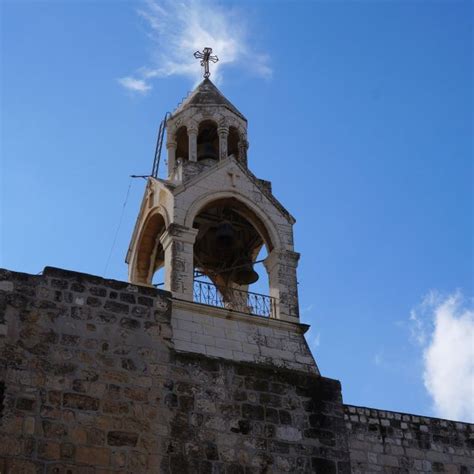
(385, 441)
(239, 418)
(217, 332)
(92, 384)
(82, 360)
(93, 381)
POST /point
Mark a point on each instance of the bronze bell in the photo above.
(225, 235)
(206, 151)
(244, 274)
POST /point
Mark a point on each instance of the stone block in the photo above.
(250, 348)
(53, 429)
(387, 460)
(25, 404)
(219, 352)
(80, 402)
(288, 433)
(243, 356)
(29, 424)
(223, 323)
(325, 466)
(6, 286)
(228, 344)
(189, 347)
(49, 450)
(93, 456)
(235, 335)
(276, 353)
(182, 335)
(203, 339)
(189, 326)
(122, 438)
(253, 412)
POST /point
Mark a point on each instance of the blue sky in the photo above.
(360, 113)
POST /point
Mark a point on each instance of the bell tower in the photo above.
(207, 225)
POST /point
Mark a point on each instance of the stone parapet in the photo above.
(386, 441)
(232, 335)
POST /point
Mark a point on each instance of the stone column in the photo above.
(178, 242)
(223, 132)
(243, 147)
(192, 137)
(171, 147)
(281, 267)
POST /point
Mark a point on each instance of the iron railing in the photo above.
(234, 299)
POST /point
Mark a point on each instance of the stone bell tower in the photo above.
(207, 222)
(208, 377)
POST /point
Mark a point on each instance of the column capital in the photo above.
(223, 130)
(171, 144)
(177, 232)
(282, 257)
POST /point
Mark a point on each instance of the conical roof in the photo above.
(207, 94)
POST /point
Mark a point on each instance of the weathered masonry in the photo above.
(384, 441)
(207, 375)
(93, 382)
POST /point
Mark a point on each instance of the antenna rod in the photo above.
(159, 145)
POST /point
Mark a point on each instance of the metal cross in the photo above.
(206, 56)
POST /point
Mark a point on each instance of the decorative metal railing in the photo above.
(234, 299)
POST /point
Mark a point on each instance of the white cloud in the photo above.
(136, 85)
(316, 340)
(313, 337)
(378, 359)
(178, 28)
(444, 328)
(307, 309)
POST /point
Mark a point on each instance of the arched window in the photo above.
(207, 141)
(150, 256)
(233, 142)
(182, 143)
(229, 247)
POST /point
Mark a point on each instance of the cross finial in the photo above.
(205, 57)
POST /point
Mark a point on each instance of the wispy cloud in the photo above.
(177, 28)
(313, 337)
(379, 359)
(444, 329)
(135, 85)
(315, 340)
(307, 309)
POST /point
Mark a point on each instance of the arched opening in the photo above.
(150, 254)
(228, 252)
(233, 142)
(182, 143)
(158, 280)
(207, 142)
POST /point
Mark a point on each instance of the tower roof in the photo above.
(207, 94)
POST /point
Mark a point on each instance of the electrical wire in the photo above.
(118, 226)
